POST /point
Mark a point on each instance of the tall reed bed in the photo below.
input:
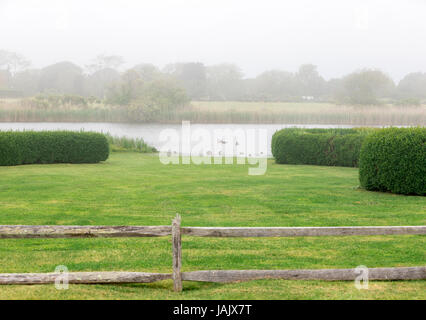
(306, 113)
(224, 112)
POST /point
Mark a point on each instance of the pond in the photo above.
(151, 133)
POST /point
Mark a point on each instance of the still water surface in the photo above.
(151, 132)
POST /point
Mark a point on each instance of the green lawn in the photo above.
(136, 189)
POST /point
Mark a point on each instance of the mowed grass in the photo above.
(136, 189)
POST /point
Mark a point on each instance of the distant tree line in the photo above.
(178, 83)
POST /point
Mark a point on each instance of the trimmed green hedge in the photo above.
(325, 147)
(29, 147)
(394, 160)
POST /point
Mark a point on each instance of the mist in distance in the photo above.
(337, 36)
(249, 62)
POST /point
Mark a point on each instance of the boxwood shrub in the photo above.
(326, 147)
(394, 159)
(30, 147)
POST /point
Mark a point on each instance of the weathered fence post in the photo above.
(177, 254)
(38, 232)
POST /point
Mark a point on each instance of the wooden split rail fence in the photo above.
(176, 231)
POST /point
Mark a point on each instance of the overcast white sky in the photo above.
(338, 36)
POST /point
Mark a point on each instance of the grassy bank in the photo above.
(222, 112)
(126, 144)
(136, 189)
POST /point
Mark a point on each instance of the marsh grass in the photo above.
(13, 110)
(307, 113)
(120, 144)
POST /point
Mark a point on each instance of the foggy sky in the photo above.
(338, 36)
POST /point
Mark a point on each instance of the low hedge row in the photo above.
(30, 147)
(394, 160)
(326, 147)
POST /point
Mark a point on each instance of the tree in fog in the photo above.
(310, 82)
(145, 100)
(274, 85)
(126, 89)
(102, 73)
(160, 97)
(5, 79)
(224, 82)
(27, 82)
(62, 77)
(413, 86)
(97, 83)
(102, 62)
(13, 62)
(365, 87)
(334, 90)
(161, 91)
(192, 75)
(147, 71)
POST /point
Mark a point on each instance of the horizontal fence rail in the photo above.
(300, 231)
(83, 277)
(13, 232)
(222, 276)
(401, 273)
